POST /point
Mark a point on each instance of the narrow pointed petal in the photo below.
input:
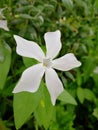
(28, 48)
(3, 25)
(66, 62)
(53, 43)
(53, 83)
(30, 79)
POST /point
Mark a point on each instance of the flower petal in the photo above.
(30, 79)
(53, 83)
(66, 62)
(3, 25)
(53, 43)
(28, 48)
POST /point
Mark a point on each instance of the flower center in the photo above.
(47, 62)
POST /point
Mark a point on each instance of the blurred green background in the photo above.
(78, 22)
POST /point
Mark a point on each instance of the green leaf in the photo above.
(29, 61)
(25, 104)
(85, 94)
(95, 112)
(25, 16)
(45, 111)
(95, 77)
(96, 3)
(88, 67)
(89, 95)
(2, 125)
(68, 4)
(67, 98)
(69, 75)
(80, 94)
(5, 60)
(2, 56)
(79, 2)
(79, 78)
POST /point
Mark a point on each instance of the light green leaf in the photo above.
(45, 111)
(80, 94)
(96, 3)
(95, 112)
(25, 104)
(67, 98)
(5, 60)
(2, 56)
(89, 95)
(68, 4)
(85, 94)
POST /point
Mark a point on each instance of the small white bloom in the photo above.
(31, 77)
(3, 25)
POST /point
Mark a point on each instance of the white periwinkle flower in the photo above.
(31, 77)
(3, 25)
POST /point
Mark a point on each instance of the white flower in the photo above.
(31, 77)
(3, 25)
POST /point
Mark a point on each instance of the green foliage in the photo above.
(24, 105)
(29, 61)
(45, 109)
(77, 107)
(95, 112)
(5, 60)
(67, 98)
(2, 125)
(68, 4)
(85, 94)
(65, 118)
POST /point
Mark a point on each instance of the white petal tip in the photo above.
(53, 103)
(3, 25)
(79, 64)
(13, 92)
(54, 100)
(57, 31)
(15, 36)
(16, 90)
